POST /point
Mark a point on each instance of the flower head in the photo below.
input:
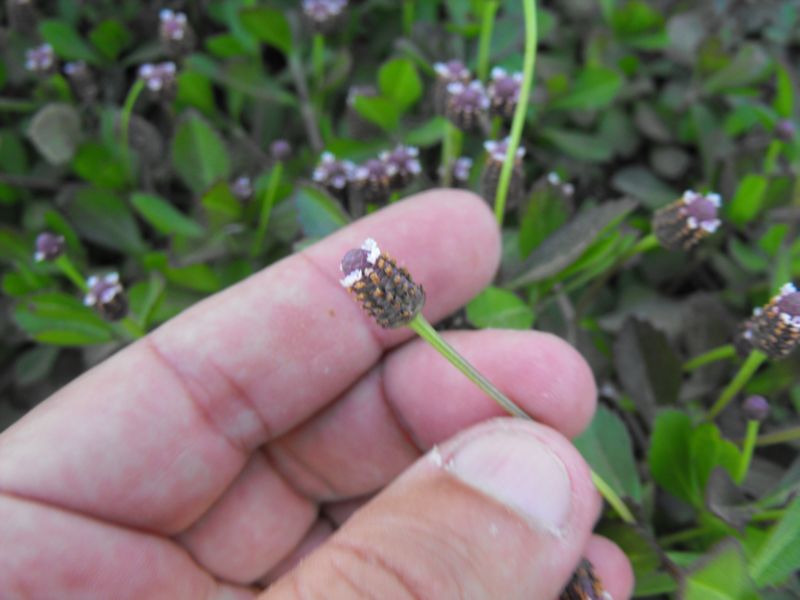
(373, 180)
(41, 59)
(107, 296)
(242, 188)
(159, 78)
(775, 328)
(49, 246)
(81, 79)
(403, 161)
(785, 130)
(324, 13)
(333, 174)
(452, 70)
(280, 150)
(490, 178)
(466, 103)
(682, 224)
(385, 290)
(503, 92)
(584, 585)
(755, 408)
(461, 169)
(172, 25)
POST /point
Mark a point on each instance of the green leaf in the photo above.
(606, 446)
(221, 204)
(62, 320)
(669, 456)
(110, 37)
(34, 364)
(583, 146)
(544, 213)
(498, 308)
(164, 217)
(98, 164)
(568, 243)
(398, 80)
(638, 24)
(429, 133)
(268, 25)
(318, 213)
(784, 93)
(720, 576)
(55, 132)
(751, 64)
(199, 155)
(640, 183)
(376, 109)
(594, 87)
(101, 216)
(748, 200)
(195, 90)
(67, 42)
(779, 555)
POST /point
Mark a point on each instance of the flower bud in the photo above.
(785, 130)
(495, 157)
(403, 162)
(40, 60)
(242, 188)
(466, 104)
(385, 290)
(107, 296)
(775, 328)
(372, 181)
(755, 408)
(584, 585)
(49, 246)
(280, 150)
(682, 224)
(503, 92)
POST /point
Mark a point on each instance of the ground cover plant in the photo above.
(645, 178)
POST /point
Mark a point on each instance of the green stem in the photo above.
(746, 371)
(771, 157)
(748, 446)
(684, 536)
(318, 62)
(485, 39)
(451, 146)
(528, 66)
(266, 208)
(647, 243)
(779, 437)
(769, 515)
(72, 273)
(132, 328)
(408, 16)
(721, 353)
(426, 331)
(125, 121)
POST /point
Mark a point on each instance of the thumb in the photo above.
(502, 510)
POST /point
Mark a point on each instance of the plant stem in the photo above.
(684, 536)
(746, 371)
(424, 329)
(721, 353)
(267, 202)
(318, 62)
(132, 328)
(451, 146)
(408, 16)
(779, 437)
(485, 39)
(748, 446)
(72, 273)
(306, 108)
(529, 64)
(647, 243)
(125, 121)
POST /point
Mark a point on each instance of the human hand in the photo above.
(228, 444)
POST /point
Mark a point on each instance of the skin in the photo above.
(208, 458)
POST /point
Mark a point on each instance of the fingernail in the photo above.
(519, 471)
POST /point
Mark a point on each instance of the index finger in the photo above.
(154, 435)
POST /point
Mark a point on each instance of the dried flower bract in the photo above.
(384, 289)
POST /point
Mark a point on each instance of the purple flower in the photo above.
(452, 70)
(106, 295)
(461, 169)
(497, 150)
(323, 12)
(280, 150)
(41, 59)
(172, 25)
(49, 246)
(503, 91)
(158, 77)
(490, 178)
(785, 130)
(242, 188)
(373, 180)
(333, 174)
(682, 224)
(774, 329)
(403, 162)
(755, 408)
(466, 103)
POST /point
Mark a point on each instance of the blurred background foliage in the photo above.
(181, 190)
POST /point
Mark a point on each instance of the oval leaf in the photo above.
(199, 154)
(495, 307)
(164, 217)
